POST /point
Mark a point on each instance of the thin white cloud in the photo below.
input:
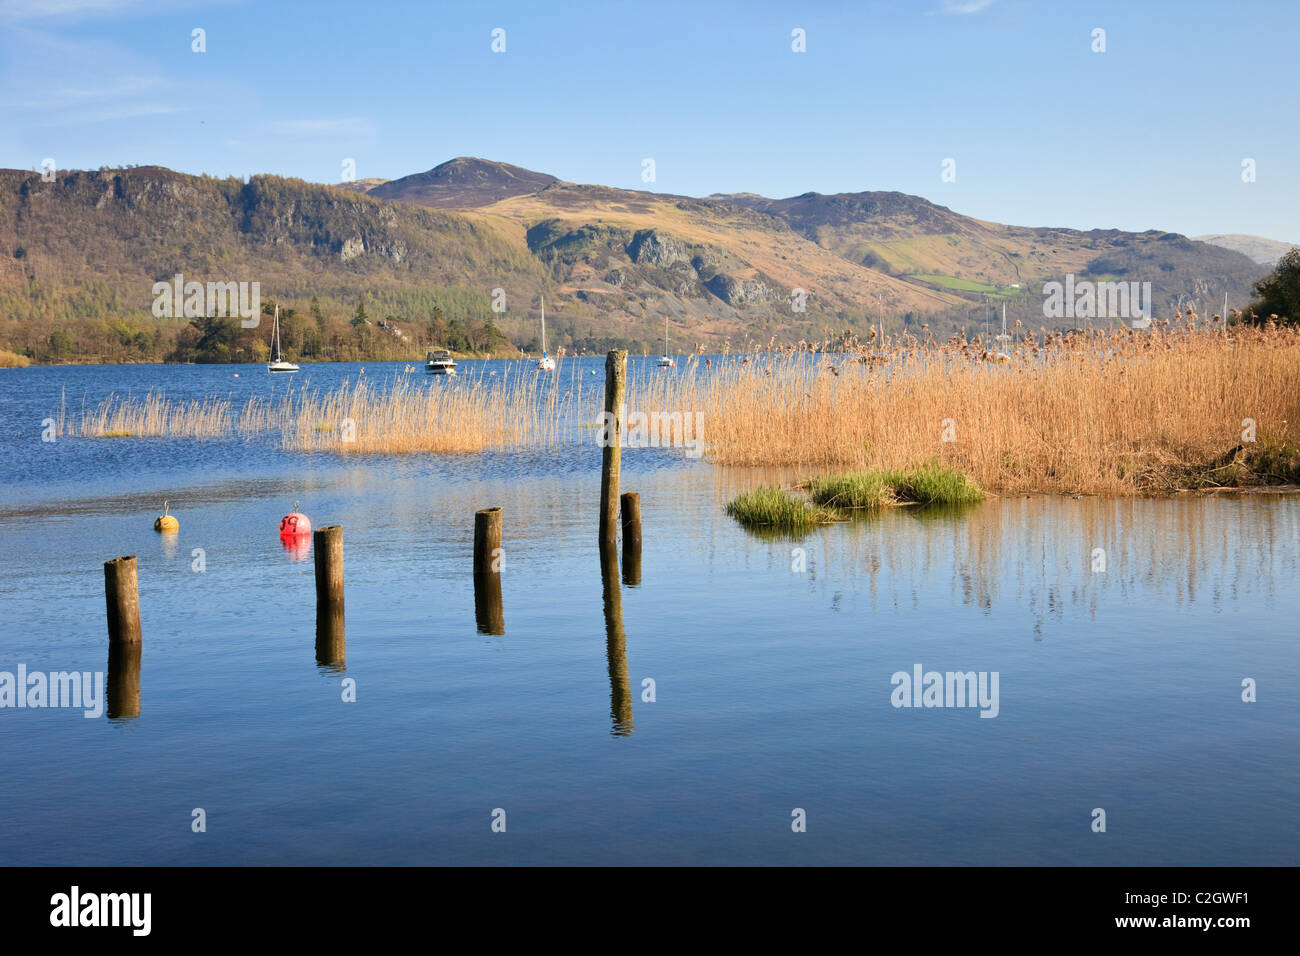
(54, 12)
(131, 112)
(87, 92)
(343, 126)
(961, 7)
(15, 10)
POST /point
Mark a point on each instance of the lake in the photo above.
(772, 662)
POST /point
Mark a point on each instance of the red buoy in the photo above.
(294, 524)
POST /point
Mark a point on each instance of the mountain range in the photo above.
(471, 234)
(1266, 252)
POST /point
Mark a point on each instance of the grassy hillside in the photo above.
(427, 253)
(83, 253)
(907, 236)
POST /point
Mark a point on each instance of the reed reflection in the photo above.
(1050, 554)
(123, 684)
(620, 685)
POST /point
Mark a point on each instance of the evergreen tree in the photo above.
(1279, 293)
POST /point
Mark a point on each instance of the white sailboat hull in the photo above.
(545, 363)
(277, 363)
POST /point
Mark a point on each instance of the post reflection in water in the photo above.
(123, 685)
(620, 685)
(488, 611)
(331, 645)
(632, 561)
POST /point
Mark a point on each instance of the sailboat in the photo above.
(1003, 340)
(666, 360)
(545, 363)
(277, 363)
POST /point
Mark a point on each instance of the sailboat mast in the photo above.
(543, 325)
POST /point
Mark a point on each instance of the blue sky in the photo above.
(1151, 133)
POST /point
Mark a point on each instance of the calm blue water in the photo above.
(1118, 690)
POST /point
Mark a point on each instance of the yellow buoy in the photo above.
(166, 522)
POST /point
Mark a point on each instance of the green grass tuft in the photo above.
(776, 509)
(929, 484)
(933, 485)
(864, 490)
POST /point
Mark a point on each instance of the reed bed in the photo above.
(420, 415)
(155, 416)
(1119, 413)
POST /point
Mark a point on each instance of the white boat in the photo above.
(440, 362)
(666, 360)
(545, 363)
(1003, 340)
(277, 363)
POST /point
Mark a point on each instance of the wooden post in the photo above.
(122, 596)
(611, 461)
(630, 509)
(489, 614)
(487, 541)
(331, 641)
(123, 685)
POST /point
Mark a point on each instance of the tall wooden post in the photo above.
(612, 433)
(331, 642)
(489, 614)
(122, 597)
(487, 541)
(630, 510)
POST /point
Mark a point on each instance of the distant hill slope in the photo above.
(908, 236)
(360, 185)
(463, 183)
(899, 256)
(1266, 252)
(613, 263)
(91, 245)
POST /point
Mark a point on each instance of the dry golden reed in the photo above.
(421, 415)
(1118, 413)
